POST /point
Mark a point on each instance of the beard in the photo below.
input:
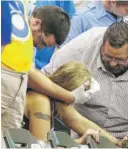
(117, 70)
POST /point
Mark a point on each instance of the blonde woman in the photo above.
(38, 106)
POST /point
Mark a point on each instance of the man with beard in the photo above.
(105, 53)
(117, 66)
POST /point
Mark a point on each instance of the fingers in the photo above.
(96, 136)
(122, 142)
(125, 138)
(94, 133)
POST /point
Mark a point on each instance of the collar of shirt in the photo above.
(101, 12)
(100, 64)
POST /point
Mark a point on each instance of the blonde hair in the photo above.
(71, 75)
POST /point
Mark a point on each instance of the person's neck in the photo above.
(106, 5)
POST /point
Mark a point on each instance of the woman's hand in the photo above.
(90, 132)
(122, 142)
(94, 133)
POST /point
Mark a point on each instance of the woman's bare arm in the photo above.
(79, 123)
(39, 114)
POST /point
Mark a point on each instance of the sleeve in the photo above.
(73, 51)
(61, 57)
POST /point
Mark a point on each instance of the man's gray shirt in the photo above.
(108, 107)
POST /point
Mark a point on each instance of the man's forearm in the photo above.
(40, 83)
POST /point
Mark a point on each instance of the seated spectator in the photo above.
(38, 109)
(105, 53)
(101, 13)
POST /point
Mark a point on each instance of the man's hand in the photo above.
(84, 92)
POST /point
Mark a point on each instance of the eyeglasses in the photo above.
(109, 58)
(116, 60)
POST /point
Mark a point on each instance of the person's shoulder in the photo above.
(99, 30)
(34, 98)
(89, 37)
(95, 36)
(94, 32)
(88, 10)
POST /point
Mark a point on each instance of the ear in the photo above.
(37, 21)
(35, 24)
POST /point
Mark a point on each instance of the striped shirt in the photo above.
(109, 107)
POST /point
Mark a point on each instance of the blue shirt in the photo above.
(5, 23)
(94, 15)
(44, 55)
(68, 6)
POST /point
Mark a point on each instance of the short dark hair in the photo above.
(54, 20)
(121, 2)
(116, 35)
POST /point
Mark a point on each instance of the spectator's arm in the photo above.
(40, 83)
